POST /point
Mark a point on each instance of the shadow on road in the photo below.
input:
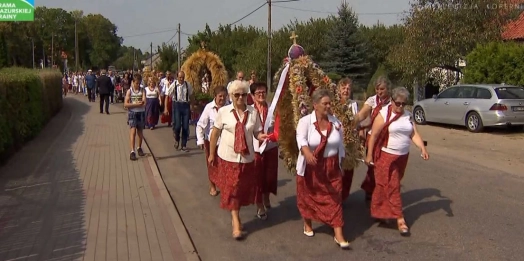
(41, 196)
(416, 203)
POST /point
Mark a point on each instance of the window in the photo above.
(466, 92)
(483, 93)
(448, 93)
(510, 92)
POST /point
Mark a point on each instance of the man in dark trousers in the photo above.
(104, 86)
(90, 82)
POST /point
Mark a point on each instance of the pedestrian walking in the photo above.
(104, 87)
(180, 92)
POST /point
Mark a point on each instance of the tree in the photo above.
(381, 71)
(126, 57)
(168, 55)
(105, 42)
(380, 40)
(439, 34)
(346, 53)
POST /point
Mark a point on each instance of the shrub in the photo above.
(28, 99)
(381, 71)
(496, 62)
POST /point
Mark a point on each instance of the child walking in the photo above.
(135, 102)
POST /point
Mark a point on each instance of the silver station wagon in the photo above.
(475, 106)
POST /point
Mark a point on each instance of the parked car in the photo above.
(475, 106)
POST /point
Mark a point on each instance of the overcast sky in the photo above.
(136, 18)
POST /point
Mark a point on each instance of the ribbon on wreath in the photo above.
(273, 119)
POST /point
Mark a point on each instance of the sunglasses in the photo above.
(400, 104)
(237, 95)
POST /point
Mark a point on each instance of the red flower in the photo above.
(299, 89)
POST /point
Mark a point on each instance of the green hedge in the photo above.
(28, 99)
(496, 62)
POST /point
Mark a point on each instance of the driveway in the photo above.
(463, 204)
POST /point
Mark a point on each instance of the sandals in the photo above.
(403, 228)
(237, 234)
(261, 215)
(214, 194)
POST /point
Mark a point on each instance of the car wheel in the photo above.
(419, 116)
(474, 122)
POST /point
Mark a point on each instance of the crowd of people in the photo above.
(243, 163)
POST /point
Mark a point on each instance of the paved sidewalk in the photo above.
(73, 194)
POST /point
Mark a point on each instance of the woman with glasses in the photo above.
(266, 162)
(391, 136)
(319, 175)
(236, 125)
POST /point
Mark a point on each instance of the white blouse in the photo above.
(225, 120)
(269, 145)
(206, 122)
(372, 102)
(307, 135)
(151, 93)
(400, 132)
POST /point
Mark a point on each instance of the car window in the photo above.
(448, 93)
(466, 92)
(483, 93)
(510, 92)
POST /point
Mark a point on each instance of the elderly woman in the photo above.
(371, 109)
(344, 92)
(266, 162)
(391, 136)
(319, 180)
(203, 130)
(236, 125)
(152, 103)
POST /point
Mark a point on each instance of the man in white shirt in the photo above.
(180, 92)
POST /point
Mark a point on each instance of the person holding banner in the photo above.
(236, 125)
(319, 175)
(391, 136)
(266, 158)
(371, 109)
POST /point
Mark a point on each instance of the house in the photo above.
(152, 59)
(514, 30)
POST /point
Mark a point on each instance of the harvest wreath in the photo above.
(303, 77)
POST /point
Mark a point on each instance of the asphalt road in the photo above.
(457, 207)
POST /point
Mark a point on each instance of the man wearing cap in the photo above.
(90, 85)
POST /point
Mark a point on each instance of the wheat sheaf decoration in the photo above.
(200, 60)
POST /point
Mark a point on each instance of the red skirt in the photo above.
(319, 192)
(168, 118)
(266, 166)
(347, 180)
(211, 170)
(238, 184)
(368, 185)
(389, 170)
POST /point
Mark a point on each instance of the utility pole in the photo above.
(134, 60)
(151, 56)
(76, 45)
(269, 35)
(52, 50)
(33, 45)
(179, 49)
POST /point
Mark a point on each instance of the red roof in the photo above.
(514, 30)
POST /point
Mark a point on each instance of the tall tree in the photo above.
(168, 55)
(346, 53)
(104, 40)
(439, 33)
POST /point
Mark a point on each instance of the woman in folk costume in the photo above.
(319, 180)
(266, 162)
(350, 109)
(166, 82)
(236, 125)
(371, 110)
(252, 80)
(152, 103)
(391, 136)
(203, 130)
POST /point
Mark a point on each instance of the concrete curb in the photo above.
(183, 235)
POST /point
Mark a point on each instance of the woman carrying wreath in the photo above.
(319, 175)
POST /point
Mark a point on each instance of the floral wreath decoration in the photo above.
(303, 78)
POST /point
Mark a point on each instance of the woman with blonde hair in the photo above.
(391, 136)
(319, 181)
(236, 125)
(152, 102)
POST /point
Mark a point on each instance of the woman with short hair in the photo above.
(236, 125)
(203, 130)
(319, 181)
(391, 136)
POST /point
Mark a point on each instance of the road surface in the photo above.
(465, 203)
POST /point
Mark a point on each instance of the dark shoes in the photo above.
(140, 152)
(132, 156)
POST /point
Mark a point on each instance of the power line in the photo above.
(325, 12)
(150, 33)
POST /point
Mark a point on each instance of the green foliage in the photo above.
(381, 71)
(346, 52)
(28, 99)
(126, 58)
(439, 34)
(495, 62)
(203, 97)
(3, 52)
(380, 40)
(168, 55)
(334, 77)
